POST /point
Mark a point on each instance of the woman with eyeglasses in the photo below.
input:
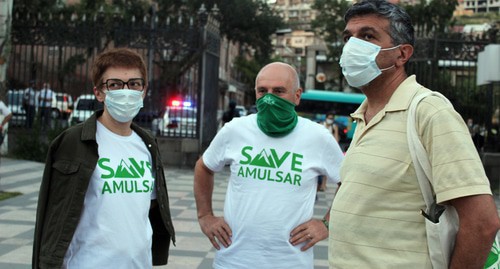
(103, 199)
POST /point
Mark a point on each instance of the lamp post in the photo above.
(299, 67)
(151, 48)
(5, 26)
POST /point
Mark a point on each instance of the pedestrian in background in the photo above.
(333, 128)
(45, 106)
(5, 116)
(375, 214)
(29, 103)
(230, 113)
(275, 158)
(103, 199)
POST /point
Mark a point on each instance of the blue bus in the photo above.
(315, 104)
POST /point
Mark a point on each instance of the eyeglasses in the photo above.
(136, 84)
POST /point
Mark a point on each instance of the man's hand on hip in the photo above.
(217, 230)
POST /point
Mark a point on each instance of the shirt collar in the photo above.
(400, 99)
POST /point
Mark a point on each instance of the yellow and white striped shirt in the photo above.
(375, 219)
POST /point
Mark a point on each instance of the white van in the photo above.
(84, 107)
(15, 103)
(62, 104)
(176, 121)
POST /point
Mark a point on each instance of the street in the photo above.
(193, 250)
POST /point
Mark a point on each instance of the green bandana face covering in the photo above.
(276, 116)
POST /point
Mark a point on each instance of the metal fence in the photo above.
(183, 61)
(59, 49)
(449, 65)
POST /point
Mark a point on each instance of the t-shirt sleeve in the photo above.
(332, 157)
(214, 156)
(4, 109)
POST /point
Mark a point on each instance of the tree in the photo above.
(248, 69)
(432, 17)
(329, 24)
(246, 21)
(249, 22)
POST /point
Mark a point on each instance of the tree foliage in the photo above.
(479, 18)
(432, 17)
(246, 21)
(39, 5)
(329, 24)
(248, 69)
(428, 17)
(249, 22)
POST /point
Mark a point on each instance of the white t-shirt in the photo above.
(271, 190)
(45, 98)
(114, 229)
(30, 96)
(4, 110)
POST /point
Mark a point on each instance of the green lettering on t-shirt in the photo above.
(296, 179)
(288, 178)
(277, 159)
(139, 168)
(118, 186)
(106, 188)
(246, 155)
(296, 163)
(145, 184)
(102, 164)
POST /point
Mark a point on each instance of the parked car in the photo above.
(62, 105)
(242, 110)
(252, 110)
(15, 103)
(84, 107)
(176, 121)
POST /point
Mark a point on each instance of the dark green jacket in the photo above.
(71, 160)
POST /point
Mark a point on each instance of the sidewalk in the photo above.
(193, 250)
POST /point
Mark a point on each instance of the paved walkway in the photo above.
(193, 250)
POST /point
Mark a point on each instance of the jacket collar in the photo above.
(90, 126)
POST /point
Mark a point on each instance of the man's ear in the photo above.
(406, 53)
(298, 94)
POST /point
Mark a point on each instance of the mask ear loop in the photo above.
(387, 68)
(395, 47)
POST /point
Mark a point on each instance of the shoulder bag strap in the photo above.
(418, 153)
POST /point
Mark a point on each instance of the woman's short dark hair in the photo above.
(117, 57)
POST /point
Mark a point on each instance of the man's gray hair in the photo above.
(401, 28)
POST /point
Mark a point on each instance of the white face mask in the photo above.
(358, 61)
(123, 105)
(329, 121)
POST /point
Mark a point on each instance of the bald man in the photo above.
(275, 158)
